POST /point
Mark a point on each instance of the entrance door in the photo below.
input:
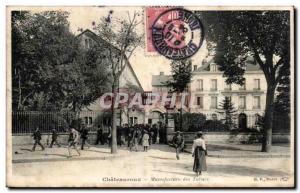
(243, 121)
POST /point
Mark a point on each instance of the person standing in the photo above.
(178, 143)
(145, 141)
(84, 136)
(99, 136)
(54, 138)
(37, 137)
(199, 152)
(73, 141)
(136, 138)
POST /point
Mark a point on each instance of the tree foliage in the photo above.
(50, 70)
(181, 75)
(233, 36)
(228, 111)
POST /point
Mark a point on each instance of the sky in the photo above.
(144, 64)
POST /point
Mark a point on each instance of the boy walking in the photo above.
(54, 138)
(37, 137)
(73, 141)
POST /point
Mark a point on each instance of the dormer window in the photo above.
(195, 67)
(88, 43)
(213, 67)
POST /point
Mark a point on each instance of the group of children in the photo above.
(135, 136)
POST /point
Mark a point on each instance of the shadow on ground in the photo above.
(236, 170)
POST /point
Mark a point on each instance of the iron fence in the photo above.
(28, 121)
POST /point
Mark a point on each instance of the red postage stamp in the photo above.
(175, 33)
(151, 14)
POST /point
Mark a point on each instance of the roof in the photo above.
(160, 80)
(99, 39)
(250, 65)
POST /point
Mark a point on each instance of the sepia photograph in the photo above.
(150, 97)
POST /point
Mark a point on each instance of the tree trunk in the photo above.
(114, 121)
(20, 91)
(180, 118)
(268, 120)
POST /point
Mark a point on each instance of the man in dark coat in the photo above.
(178, 143)
(84, 136)
(37, 137)
(99, 136)
(54, 138)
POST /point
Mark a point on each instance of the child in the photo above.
(146, 141)
(73, 141)
(54, 138)
(37, 137)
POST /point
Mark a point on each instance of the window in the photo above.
(86, 43)
(214, 102)
(213, 85)
(256, 84)
(228, 86)
(90, 43)
(195, 67)
(135, 120)
(256, 102)
(200, 85)
(200, 102)
(88, 120)
(213, 67)
(242, 102)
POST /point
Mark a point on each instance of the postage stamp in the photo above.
(177, 34)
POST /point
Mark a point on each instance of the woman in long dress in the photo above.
(199, 153)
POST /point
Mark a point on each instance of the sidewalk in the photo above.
(223, 150)
(23, 154)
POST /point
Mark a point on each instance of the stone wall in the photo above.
(217, 137)
(227, 137)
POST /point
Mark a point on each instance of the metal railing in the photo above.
(28, 121)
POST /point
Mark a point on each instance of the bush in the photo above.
(190, 121)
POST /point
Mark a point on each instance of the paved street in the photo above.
(157, 167)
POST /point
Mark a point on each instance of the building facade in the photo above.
(209, 88)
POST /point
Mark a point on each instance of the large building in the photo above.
(128, 80)
(209, 89)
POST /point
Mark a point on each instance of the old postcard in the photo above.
(157, 96)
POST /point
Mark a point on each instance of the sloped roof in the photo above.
(98, 39)
(160, 80)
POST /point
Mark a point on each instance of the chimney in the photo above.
(161, 73)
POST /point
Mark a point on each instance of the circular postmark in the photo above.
(177, 34)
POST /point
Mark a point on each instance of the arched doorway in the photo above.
(242, 121)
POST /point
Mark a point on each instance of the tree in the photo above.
(121, 39)
(229, 112)
(50, 69)
(38, 41)
(181, 76)
(282, 101)
(264, 35)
